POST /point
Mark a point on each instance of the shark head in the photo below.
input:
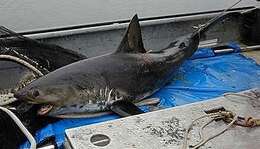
(45, 94)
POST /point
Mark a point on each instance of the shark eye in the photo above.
(182, 45)
(35, 93)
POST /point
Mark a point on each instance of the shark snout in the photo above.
(20, 94)
(27, 94)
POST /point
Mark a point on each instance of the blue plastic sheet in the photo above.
(204, 76)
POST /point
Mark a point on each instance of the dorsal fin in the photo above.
(132, 41)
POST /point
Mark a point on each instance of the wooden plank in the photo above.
(255, 55)
(166, 128)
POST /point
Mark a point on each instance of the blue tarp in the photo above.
(205, 75)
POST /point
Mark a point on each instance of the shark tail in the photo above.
(205, 27)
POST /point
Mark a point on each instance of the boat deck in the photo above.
(255, 55)
(166, 128)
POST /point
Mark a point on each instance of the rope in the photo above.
(26, 64)
(217, 134)
(6, 99)
(227, 116)
(190, 126)
(222, 13)
(200, 27)
(21, 126)
(239, 94)
(201, 132)
(222, 114)
(247, 121)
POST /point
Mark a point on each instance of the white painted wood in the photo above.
(165, 128)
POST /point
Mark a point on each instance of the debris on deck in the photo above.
(166, 128)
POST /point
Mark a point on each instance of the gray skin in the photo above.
(93, 85)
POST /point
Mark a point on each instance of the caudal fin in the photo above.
(205, 27)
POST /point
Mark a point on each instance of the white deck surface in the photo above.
(165, 128)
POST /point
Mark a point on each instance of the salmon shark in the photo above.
(114, 81)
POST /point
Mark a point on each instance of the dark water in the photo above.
(42, 14)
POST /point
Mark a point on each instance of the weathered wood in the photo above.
(166, 128)
(255, 55)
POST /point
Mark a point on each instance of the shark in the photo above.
(114, 82)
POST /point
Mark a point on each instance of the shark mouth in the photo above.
(45, 109)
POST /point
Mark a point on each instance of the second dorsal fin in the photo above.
(132, 41)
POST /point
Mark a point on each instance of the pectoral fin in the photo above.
(148, 102)
(125, 108)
